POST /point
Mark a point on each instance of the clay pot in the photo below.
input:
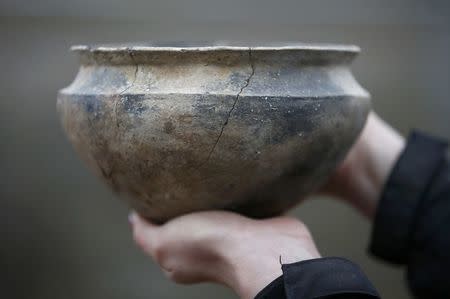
(182, 129)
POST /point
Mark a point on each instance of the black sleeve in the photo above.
(412, 222)
(330, 277)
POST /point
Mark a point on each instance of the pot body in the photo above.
(177, 130)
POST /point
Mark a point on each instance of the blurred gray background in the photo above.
(63, 234)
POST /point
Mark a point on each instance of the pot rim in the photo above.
(126, 48)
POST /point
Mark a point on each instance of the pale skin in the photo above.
(244, 254)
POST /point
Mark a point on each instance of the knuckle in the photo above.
(160, 254)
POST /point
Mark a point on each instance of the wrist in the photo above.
(368, 165)
(248, 272)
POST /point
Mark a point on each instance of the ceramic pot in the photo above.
(182, 129)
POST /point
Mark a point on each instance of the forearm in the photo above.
(361, 177)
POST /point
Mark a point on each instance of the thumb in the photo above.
(145, 234)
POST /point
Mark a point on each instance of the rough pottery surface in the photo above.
(182, 129)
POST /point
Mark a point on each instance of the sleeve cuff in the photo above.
(401, 197)
(318, 278)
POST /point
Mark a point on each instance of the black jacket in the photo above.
(411, 227)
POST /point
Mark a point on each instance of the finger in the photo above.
(145, 234)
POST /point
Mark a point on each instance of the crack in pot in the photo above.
(247, 82)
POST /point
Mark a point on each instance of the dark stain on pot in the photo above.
(288, 117)
(168, 127)
(302, 116)
(134, 104)
(93, 106)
